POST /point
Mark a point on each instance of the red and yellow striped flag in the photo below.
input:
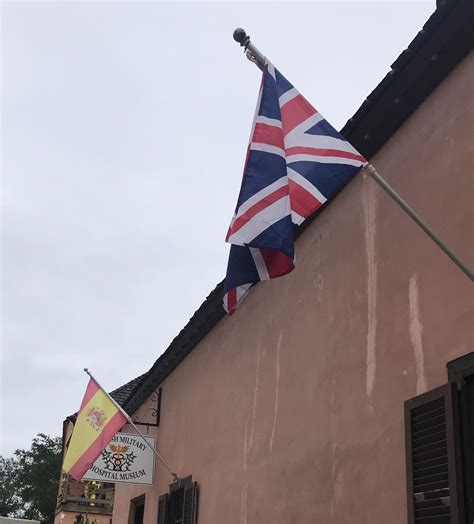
(97, 422)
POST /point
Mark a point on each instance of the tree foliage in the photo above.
(29, 480)
(10, 503)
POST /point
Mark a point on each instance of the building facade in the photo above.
(342, 392)
(88, 501)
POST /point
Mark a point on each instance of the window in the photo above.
(439, 431)
(137, 510)
(180, 505)
(461, 373)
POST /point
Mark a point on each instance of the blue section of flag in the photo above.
(278, 236)
(324, 128)
(240, 268)
(263, 169)
(269, 106)
(282, 83)
(328, 178)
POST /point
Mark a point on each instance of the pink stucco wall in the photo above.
(291, 410)
(124, 493)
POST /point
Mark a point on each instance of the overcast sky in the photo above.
(124, 128)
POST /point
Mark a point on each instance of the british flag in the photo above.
(295, 162)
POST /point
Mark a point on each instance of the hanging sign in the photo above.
(125, 459)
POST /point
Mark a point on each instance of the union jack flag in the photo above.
(295, 162)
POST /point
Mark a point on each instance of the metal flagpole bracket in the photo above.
(251, 52)
(370, 171)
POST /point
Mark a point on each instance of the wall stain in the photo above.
(416, 331)
(320, 281)
(276, 390)
(370, 211)
(243, 504)
(255, 394)
(245, 448)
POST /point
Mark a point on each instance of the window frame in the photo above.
(447, 393)
(134, 504)
(166, 511)
(461, 373)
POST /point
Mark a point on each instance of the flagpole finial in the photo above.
(241, 37)
(251, 52)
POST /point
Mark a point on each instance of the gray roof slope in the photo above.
(445, 39)
(122, 393)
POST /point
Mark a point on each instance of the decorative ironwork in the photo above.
(154, 411)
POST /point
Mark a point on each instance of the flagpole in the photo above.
(251, 52)
(370, 171)
(255, 56)
(130, 421)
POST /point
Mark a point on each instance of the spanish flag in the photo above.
(97, 422)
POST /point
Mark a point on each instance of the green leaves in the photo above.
(29, 480)
(10, 503)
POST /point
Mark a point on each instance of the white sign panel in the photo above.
(125, 459)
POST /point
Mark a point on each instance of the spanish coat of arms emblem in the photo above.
(96, 418)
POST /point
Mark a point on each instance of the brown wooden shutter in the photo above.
(191, 493)
(461, 371)
(433, 451)
(163, 509)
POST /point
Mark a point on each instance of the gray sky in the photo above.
(124, 128)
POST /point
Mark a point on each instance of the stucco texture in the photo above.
(291, 410)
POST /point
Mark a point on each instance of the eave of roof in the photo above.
(444, 41)
(121, 394)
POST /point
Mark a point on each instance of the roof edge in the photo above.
(446, 38)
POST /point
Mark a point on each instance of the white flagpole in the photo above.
(130, 421)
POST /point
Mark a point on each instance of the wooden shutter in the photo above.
(433, 451)
(461, 371)
(163, 509)
(191, 503)
(468, 442)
